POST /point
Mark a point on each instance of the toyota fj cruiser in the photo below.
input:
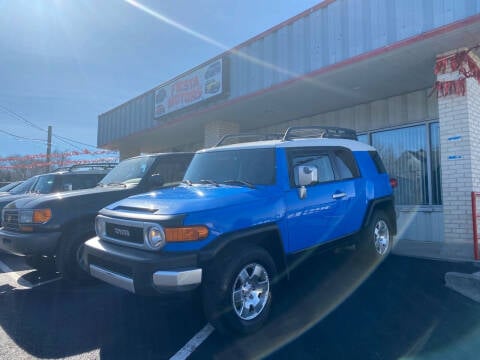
(55, 226)
(242, 212)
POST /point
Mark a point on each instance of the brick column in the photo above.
(216, 129)
(459, 117)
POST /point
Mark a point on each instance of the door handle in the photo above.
(339, 195)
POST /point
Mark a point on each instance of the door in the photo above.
(323, 214)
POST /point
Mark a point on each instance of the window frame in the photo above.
(428, 145)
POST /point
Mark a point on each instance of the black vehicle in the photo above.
(55, 226)
(66, 179)
(4, 190)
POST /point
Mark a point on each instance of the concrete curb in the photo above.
(465, 284)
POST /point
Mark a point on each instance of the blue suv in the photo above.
(242, 214)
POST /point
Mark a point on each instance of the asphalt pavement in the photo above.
(334, 306)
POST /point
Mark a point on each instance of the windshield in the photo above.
(9, 186)
(44, 184)
(254, 166)
(24, 187)
(130, 171)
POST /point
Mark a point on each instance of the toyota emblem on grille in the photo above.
(121, 232)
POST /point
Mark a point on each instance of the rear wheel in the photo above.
(377, 238)
(237, 293)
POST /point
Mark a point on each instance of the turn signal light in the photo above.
(188, 233)
(41, 216)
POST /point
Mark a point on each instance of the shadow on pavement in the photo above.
(59, 320)
(332, 309)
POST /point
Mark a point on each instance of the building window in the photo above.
(412, 156)
(435, 164)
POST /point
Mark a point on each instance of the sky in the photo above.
(64, 62)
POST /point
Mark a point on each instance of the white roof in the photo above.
(309, 142)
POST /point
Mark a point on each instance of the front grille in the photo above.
(10, 220)
(126, 233)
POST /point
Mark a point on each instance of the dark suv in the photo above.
(244, 213)
(75, 177)
(56, 226)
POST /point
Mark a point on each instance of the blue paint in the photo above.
(455, 157)
(454, 138)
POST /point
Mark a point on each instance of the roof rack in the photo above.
(249, 137)
(88, 166)
(299, 132)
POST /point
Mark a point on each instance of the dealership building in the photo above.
(405, 74)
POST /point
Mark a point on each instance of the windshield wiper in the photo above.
(208, 181)
(239, 182)
(188, 182)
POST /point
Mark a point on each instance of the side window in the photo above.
(171, 169)
(312, 159)
(378, 162)
(345, 164)
(77, 182)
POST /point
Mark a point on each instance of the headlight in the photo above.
(155, 237)
(37, 216)
(100, 226)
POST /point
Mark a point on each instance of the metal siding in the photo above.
(395, 111)
(327, 35)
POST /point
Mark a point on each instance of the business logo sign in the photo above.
(192, 88)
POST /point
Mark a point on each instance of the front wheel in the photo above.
(237, 293)
(69, 258)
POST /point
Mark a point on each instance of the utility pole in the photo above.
(49, 146)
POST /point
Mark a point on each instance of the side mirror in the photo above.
(305, 175)
(156, 181)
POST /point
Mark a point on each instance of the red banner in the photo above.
(56, 155)
(460, 61)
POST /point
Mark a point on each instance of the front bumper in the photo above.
(29, 243)
(141, 271)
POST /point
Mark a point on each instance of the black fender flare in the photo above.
(386, 204)
(212, 250)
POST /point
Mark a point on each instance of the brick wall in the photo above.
(460, 152)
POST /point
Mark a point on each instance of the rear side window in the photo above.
(346, 165)
(378, 162)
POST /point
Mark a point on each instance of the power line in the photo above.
(18, 137)
(75, 141)
(63, 139)
(14, 114)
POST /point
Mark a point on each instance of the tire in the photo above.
(237, 292)
(377, 239)
(68, 257)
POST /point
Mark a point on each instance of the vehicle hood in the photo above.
(187, 199)
(4, 200)
(93, 195)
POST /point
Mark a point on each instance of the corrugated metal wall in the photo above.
(394, 111)
(341, 30)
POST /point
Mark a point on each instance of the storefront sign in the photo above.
(197, 86)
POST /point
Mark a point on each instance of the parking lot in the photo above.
(333, 307)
